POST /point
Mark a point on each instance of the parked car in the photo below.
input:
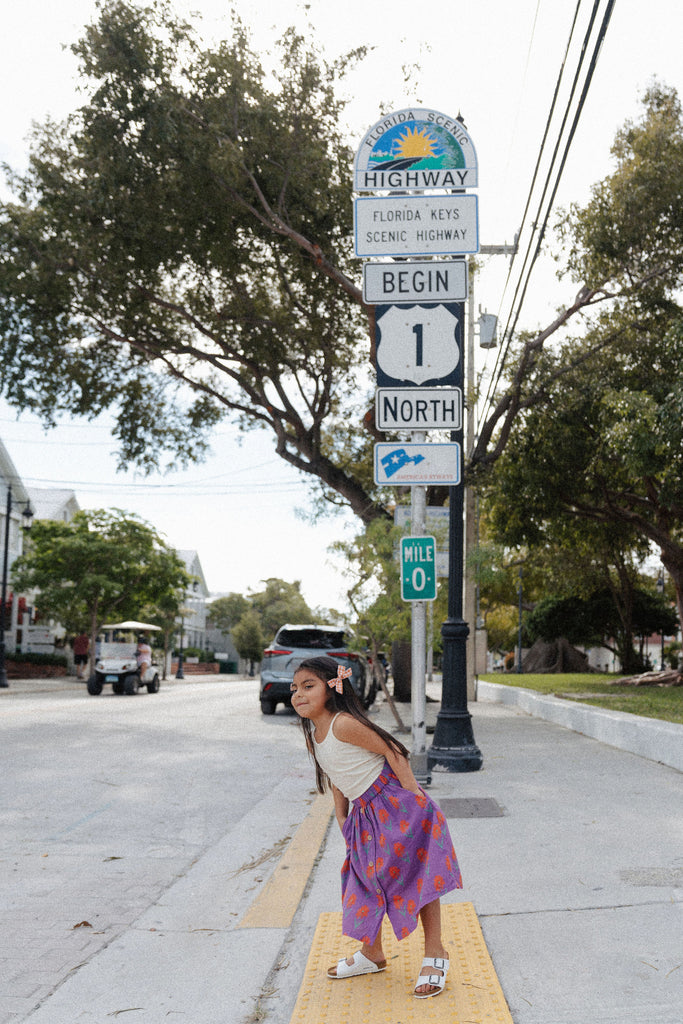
(292, 645)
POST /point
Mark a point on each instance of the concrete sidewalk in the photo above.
(577, 881)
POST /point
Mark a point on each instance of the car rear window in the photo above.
(319, 639)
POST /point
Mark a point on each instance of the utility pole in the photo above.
(470, 506)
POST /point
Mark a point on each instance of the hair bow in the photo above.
(338, 681)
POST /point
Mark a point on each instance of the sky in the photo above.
(493, 61)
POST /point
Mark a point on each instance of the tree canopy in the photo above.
(597, 456)
(180, 249)
(102, 565)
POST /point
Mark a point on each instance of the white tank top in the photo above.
(352, 769)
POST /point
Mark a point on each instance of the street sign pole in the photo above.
(418, 662)
(453, 748)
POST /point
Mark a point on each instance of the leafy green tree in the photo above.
(248, 638)
(598, 446)
(102, 565)
(595, 620)
(278, 603)
(180, 249)
(225, 612)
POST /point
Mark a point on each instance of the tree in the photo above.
(600, 447)
(280, 602)
(249, 639)
(180, 248)
(595, 621)
(225, 612)
(102, 565)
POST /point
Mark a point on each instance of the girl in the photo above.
(400, 857)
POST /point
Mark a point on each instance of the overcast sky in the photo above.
(494, 61)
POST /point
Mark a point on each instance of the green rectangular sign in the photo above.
(418, 568)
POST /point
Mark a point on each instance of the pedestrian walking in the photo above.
(400, 858)
(81, 647)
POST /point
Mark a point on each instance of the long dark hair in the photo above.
(325, 668)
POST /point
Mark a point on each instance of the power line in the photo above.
(539, 225)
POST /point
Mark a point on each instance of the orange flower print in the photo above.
(379, 863)
(420, 883)
(363, 911)
(394, 871)
(440, 818)
(380, 899)
(449, 863)
(350, 899)
(370, 870)
(382, 840)
(426, 825)
(383, 815)
(421, 799)
(404, 825)
(411, 906)
(365, 837)
(394, 802)
(436, 831)
(398, 901)
(438, 883)
(422, 855)
(399, 849)
(405, 932)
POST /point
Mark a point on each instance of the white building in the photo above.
(54, 503)
(11, 541)
(193, 622)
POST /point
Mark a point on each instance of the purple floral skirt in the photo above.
(399, 857)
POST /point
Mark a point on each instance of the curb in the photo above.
(646, 737)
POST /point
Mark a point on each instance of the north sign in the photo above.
(418, 225)
(420, 464)
(416, 281)
(418, 568)
(418, 408)
(419, 345)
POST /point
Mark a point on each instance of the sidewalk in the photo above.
(577, 882)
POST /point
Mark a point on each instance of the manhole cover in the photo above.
(471, 807)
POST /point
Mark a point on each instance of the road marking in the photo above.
(277, 903)
(472, 992)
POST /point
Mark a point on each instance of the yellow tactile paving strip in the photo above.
(279, 899)
(472, 995)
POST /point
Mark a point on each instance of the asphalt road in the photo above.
(107, 801)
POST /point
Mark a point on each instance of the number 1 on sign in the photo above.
(417, 331)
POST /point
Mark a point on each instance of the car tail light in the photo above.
(344, 654)
(273, 650)
(267, 687)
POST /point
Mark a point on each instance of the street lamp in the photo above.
(520, 592)
(27, 517)
(660, 588)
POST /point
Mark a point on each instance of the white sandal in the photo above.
(437, 981)
(360, 965)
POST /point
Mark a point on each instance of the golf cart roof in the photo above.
(130, 624)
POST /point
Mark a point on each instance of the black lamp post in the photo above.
(520, 593)
(660, 588)
(179, 673)
(453, 748)
(27, 515)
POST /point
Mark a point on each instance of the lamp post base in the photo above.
(453, 748)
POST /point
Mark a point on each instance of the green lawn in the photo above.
(664, 702)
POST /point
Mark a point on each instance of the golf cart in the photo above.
(116, 661)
